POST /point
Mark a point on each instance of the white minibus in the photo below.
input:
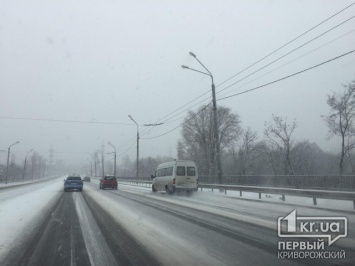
(177, 175)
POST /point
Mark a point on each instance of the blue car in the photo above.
(73, 182)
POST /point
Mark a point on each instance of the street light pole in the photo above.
(24, 167)
(94, 156)
(137, 172)
(114, 168)
(216, 132)
(102, 162)
(8, 159)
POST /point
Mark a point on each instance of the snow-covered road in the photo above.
(41, 223)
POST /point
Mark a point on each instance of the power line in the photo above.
(188, 109)
(63, 121)
(168, 120)
(286, 77)
(295, 59)
(288, 53)
(126, 150)
(97, 122)
(294, 39)
(180, 124)
(299, 36)
(270, 71)
(264, 85)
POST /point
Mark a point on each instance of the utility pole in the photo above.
(114, 168)
(216, 133)
(8, 158)
(102, 162)
(137, 171)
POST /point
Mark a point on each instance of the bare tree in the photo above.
(198, 137)
(246, 150)
(181, 150)
(341, 118)
(40, 164)
(279, 134)
(148, 166)
(126, 166)
(273, 157)
(33, 160)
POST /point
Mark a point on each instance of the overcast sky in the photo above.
(101, 61)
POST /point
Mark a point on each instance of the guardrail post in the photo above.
(259, 195)
(283, 197)
(314, 201)
(225, 192)
(354, 204)
(240, 193)
(201, 189)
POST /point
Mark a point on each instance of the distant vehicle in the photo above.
(178, 175)
(87, 179)
(109, 181)
(73, 182)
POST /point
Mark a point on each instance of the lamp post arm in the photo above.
(203, 66)
(186, 67)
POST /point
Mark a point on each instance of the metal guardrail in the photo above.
(311, 193)
(318, 182)
(135, 181)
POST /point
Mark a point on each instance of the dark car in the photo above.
(108, 182)
(87, 179)
(73, 182)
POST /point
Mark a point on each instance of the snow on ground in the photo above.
(147, 228)
(21, 207)
(330, 204)
(21, 183)
(98, 250)
(250, 209)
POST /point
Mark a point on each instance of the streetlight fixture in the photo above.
(218, 153)
(137, 172)
(114, 168)
(24, 167)
(8, 158)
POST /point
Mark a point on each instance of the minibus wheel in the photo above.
(168, 190)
